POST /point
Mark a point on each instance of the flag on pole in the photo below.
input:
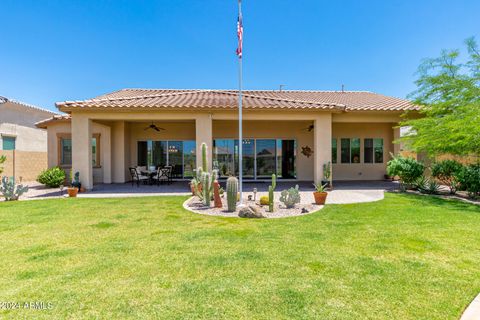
(239, 34)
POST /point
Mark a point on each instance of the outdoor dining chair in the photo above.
(163, 175)
(137, 176)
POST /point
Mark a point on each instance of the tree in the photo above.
(2, 160)
(448, 92)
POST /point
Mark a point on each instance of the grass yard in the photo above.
(406, 257)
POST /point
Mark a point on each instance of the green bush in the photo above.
(448, 172)
(53, 177)
(407, 169)
(470, 180)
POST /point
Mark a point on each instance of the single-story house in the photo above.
(24, 144)
(290, 133)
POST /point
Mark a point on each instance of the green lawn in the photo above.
(406, 257)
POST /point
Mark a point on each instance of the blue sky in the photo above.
(68, 50)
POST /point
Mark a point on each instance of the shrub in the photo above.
(470, 180)
(290, 197)
(53, 177)
(407, 169)
(447, 172)
(2, 160)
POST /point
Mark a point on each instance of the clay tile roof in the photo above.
(56, 118)
(252, 99)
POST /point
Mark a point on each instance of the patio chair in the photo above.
(137, 177)
(170, 172)
(163, 175)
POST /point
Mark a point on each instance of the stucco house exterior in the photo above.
(290, 133)
(24, 144)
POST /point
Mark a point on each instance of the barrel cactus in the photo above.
(271, 189)
(232, 191)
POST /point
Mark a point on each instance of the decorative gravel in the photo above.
(195, 205)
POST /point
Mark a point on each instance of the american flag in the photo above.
(240, 35)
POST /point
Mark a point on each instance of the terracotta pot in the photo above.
(72, 192)
(199, 188)
(320, 197)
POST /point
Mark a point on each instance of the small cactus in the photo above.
(10, 190)
(271, 189)
(232, 193)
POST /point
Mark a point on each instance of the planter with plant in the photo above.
(320, 193)
(74, 182)
(327, 172)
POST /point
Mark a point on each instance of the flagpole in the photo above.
(240, 129)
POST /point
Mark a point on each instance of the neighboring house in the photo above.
(21, 141)
(290, 133)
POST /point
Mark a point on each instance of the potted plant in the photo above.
(73, 188)
(320, 193)
(326, 174)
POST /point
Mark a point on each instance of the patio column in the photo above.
(118, 152)
(106, 149)
(82, 149)
(203, 133)
(322, 144)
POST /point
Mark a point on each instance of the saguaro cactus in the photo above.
(204, 157)
(271, 189)
(206, 181)
(232, 191)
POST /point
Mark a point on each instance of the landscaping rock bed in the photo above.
(195, 205)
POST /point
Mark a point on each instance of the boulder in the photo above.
(250, 212)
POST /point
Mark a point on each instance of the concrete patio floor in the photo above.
(344, 192)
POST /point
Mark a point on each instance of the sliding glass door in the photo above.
(266, 155)
(261, 158)
(178, 154)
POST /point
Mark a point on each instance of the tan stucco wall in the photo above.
(26, 138)
(65, 128)
(362, 171)
(17, 120)
(11, 112)
(128, 127)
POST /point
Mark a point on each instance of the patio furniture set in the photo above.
(151, 176)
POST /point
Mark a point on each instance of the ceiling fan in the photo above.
(309, 128)
(154, 127)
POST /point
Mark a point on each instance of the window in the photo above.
(8, 143)
(334, 150)
(345, 145)
(65, 151)
(378, 149)
(355, 150)
(368, 151)
(350, 150)
(96, 150)
(373, 151)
